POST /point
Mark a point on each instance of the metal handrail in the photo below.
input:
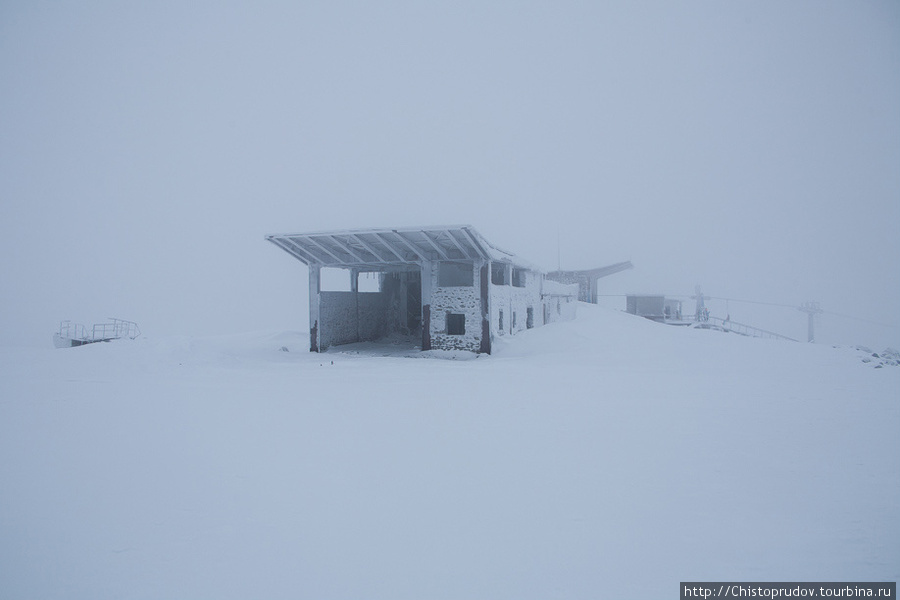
(72, 331)
(116, 329)
(740, 328)
(119, 328)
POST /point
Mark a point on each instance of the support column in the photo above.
(354, 289)
(314, 298)
(404, 301)
(508, 281)
(427, 287)
(485, 347)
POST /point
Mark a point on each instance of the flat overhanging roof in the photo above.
(599, 272)
(387, 249)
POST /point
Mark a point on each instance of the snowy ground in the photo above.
(609, 457)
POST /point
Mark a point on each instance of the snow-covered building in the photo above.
(587, 279)
(447, 286)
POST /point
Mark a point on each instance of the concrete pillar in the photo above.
(485, 289)
(354, 289)
(427, 288)
(404, 301)
(315, 332)
(508, 280)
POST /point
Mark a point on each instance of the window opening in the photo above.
(369, 282)
(499, 274)
(334, 279)
(452, 274)
(518, 277)
(456, 324)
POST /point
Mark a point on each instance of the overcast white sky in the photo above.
(146, 149)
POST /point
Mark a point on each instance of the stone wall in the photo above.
(465, 300)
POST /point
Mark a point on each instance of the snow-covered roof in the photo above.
(379, 249)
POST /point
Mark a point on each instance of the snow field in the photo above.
(605, 457)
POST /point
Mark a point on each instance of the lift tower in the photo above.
(701, 305)
(811, 309)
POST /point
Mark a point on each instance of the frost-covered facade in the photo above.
(446, 286)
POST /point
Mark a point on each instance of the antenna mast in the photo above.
(558, 261)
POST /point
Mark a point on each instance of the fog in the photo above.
(752, 148)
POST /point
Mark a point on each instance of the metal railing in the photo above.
(72, 331)
(739, 328)
(100, 332)
(118, 328)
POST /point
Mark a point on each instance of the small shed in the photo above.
(654, 307)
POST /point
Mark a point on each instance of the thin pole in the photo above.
(558, 260)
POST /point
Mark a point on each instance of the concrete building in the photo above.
(446, 286)
(587, 279)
